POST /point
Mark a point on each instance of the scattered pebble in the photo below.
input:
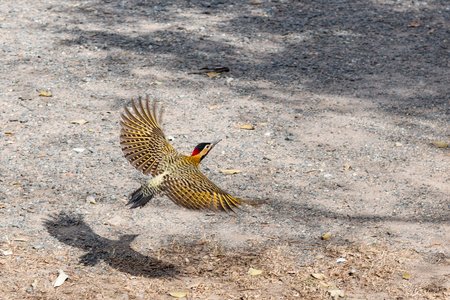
(341, 260)
(79, 150)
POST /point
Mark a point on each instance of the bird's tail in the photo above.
(141, 196)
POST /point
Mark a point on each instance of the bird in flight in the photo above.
(173, 174)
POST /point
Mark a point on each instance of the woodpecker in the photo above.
(175, 175)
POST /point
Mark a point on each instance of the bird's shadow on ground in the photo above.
(72, 230)
(186, 257)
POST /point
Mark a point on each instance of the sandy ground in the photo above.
(346, 98)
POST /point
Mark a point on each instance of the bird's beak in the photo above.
(216, 142)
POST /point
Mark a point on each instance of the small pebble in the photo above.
(341, 260)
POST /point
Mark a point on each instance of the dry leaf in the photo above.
(212, 74)
(61, 278)
(440, 144)
(230, 171)
(406, 276)
(247, 127)
(217, 69)
(211, 71)
(347, 167)
(79, 121)
(319, 276)
(254, 272)
(45, 93)
(9, 133)
(326, 236)
(178, 294)
(90, 199)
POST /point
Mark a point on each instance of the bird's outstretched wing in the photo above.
(141, 137)
(196, 191)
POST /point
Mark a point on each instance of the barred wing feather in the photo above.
(196, 191)
(141, 137)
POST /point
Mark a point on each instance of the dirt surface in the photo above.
(346, 97)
